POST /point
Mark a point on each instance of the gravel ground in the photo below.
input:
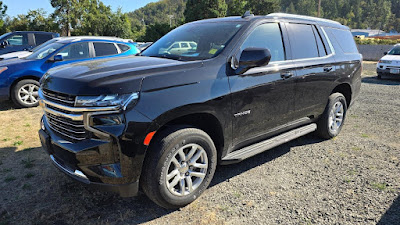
(351, 179)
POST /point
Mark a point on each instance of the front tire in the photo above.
(25, 93)
(180, 165)
(331, 122)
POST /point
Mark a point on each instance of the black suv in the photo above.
(162, 121)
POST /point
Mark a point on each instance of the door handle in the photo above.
(328, 69)
(286, 75)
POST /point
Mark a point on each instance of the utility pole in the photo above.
(319, 8)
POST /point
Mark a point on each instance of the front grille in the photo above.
(60, 98)
(66, 127)
(70, 129)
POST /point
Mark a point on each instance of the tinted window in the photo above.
(175, 46)
(344, 38)
(394, 51)
(320, 44)
(184, 45)
(302, 40)
(123, 47)
(75, 51)
(267, 36)
(44, 51)
(103, 49)
(18, 39)
(42, 38)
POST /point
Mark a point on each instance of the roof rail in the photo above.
(293, 16)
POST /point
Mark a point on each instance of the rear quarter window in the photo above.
(123, 47)
(344, 38)
(42, 38)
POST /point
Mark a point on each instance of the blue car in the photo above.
(23, 40)
(19, 78)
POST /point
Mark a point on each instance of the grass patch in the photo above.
(17, 137)
(379, 186)
(18, 143)
(6, 170)
(355, 148)
(347, 180)
(10, 178)
(365, 135)
(6, 139)
(27, 125)
(29, 175)
(28, 163)
(26, 186)
(352, 172)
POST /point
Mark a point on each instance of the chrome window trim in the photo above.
(329, 41)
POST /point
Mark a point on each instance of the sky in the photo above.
(16, 7)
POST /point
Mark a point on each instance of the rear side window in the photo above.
(344, 38)
(184, 45)
(320, 44)
(42, 38)
(123, 47)
(266, 36)
(103, 49)
(303, 41)
(18, 39)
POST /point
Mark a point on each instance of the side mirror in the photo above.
(57, 58)
(385, 53)
(253, 57)
(4, 44)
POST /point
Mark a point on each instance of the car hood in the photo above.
(391, 57)
(119, 75)
(20, 54)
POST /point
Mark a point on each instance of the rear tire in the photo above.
(331, 122)
(179, 166)
(25, 93)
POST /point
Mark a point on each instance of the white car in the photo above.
(389, 65)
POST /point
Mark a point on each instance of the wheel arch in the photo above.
(344, 89)
(26, 77)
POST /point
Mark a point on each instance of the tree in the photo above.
(197, 10)
(67, 13)
(156, 31)
(237, 7)
(3, 10)
(264, 7)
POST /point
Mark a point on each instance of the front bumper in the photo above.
(387, 72)
(112, 164)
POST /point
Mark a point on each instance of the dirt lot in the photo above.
(352, 179)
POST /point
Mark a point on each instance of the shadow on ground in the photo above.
(392, 215)
(385, 81)
(64, 200)
(6, 105)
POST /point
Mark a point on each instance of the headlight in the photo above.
(385, 61)
(106, 100)
(2, 69)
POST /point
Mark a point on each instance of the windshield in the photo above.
(194, 41)
(395, 51)
(4, 35)
(42, 45)
(45, 51)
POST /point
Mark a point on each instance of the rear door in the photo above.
(263, 97)
(42, 38)
(315, 69)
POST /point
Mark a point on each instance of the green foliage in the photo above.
(3, 10)
(156, 31)
(197, 10)
(371, 41)
(257, 7)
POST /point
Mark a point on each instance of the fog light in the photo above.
(42, 124)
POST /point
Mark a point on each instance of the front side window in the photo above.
(209, 39)
(18, 40)
(266, 36)
(104, 49)
(303, 41)
(75, 51)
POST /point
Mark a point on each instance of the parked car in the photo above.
(23, 40)
(163, 121)
(180, 47)
(22, 54)
(389, 65)
(19, 78)
(143, 45)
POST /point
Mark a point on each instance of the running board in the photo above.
(257, 148)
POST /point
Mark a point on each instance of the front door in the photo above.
(263, 97)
